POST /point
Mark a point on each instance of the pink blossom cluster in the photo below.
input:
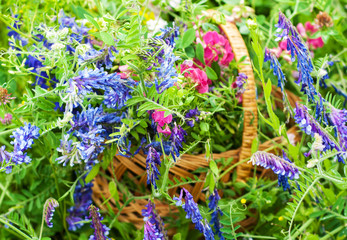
(216, 48)
(313, 43)
(158, 117)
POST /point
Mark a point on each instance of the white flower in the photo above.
(82, 49)
(321, 73)
(318, 143)
(251, 24)
(291, 138)
(67, 118)
(312, 163)
(174, 3)
(155, 25)
(57, 46)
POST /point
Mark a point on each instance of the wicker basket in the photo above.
(136, 167)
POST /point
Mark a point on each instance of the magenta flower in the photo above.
(197, 76)
(158, 117)
(166, 131)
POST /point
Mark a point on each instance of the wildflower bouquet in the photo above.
(105, 85)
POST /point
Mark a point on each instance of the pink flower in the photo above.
(215, 45)
(316, 42)
(158, 117)
(196, 75)
(125, 71)
(7, 119)
(301, 29)
(166, 131)
(310, 28)
(283, 45)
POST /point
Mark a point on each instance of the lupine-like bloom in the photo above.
(339, 118)
(297, 47)
(103, 57)
(7, 119)
(177, 138)
(276, 67)
(83, 199)
(154, 226)
(192, 116)
(152, 161)
(5, 96)
(310, 126)
(17, 24)
(48, 210)
(276, 164)
(213, 207)
(100, 230)
(70, 152)
(23, 139)
(196, 75)
(193, 212)
(169, 35)
(283, 179)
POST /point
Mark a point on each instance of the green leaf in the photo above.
(190, 51)
(214, 168)
(200, 53)
(177, 236)
(204, 126)
(211, 74)
(91, 20)
(255, 144)
(113, 190)
(91, 175)
(188, 38)
(107, 38)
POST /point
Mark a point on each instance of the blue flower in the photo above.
(5, 158)
(154, 226)
(276, 164)
(276, 67)
(12, 33)
(152, 162)
(297, 47)
(177, 138)
(192, 116)
(216, 212)
(102, 57)
(83, 199)
(169, 35)
(193, 212)
(49, 209)
(100, 230)
(283, 179)
(339, 118)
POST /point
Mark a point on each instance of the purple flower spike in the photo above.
(277, 164)
(100, 230)
(177, 137)
(213, 207)
(192, 116)
(152, 162)
(276, 67)
(154, 226)
(339, 118)
(48, 210)
(193, 212)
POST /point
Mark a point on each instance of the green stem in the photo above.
(298, 205)
(42, 222)
(303, 227)
(331, 234)
(254, 236)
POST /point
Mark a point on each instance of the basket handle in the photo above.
(249, 103)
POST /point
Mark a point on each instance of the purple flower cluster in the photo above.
(276, 164)
(216, 212)
(283, 179)
(193, 212)
(310, 126)
(154, 226)
(101, 57)
(192, 116)
(276, 67)
(177, 138)
(339, 118)
(152, 163)
(100, 230)
(169, 35)
(48, 210)
(7, 119)
(83, 199)
(297, 47)
(23, 139)
(12, 33)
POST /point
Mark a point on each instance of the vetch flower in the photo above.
(192, 116)
(83, 199)
(177, 138)
(193, 212)
(152, 163)
(100, 230)
(154, 226)
(5, 159)
(216, 212)
(276, 164)
(318, 143)
(196, 75)
(276, 68)
(48, 210)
